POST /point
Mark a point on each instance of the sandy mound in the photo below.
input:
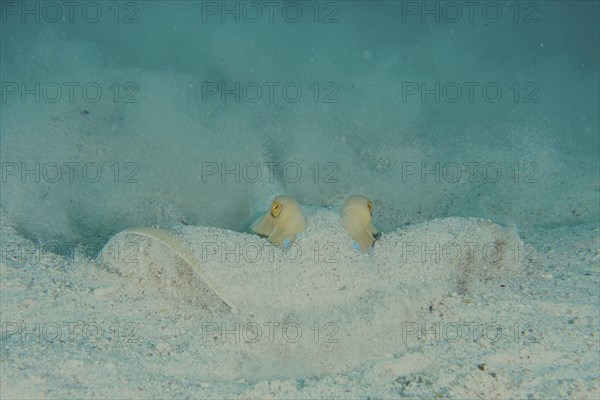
(318, 306)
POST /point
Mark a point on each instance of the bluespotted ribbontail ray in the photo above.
(282, 223)
(168, 239)
(356, 217)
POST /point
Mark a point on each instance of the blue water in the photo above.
(158, 113)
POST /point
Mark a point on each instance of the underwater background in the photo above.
(154, 112)
(460, 121)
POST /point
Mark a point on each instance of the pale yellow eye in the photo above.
(276, 209)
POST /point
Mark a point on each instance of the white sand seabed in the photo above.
(441, 309)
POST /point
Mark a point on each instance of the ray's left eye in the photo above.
(275, 210)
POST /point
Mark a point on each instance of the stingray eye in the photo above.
(276, 209)
(370, 207)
